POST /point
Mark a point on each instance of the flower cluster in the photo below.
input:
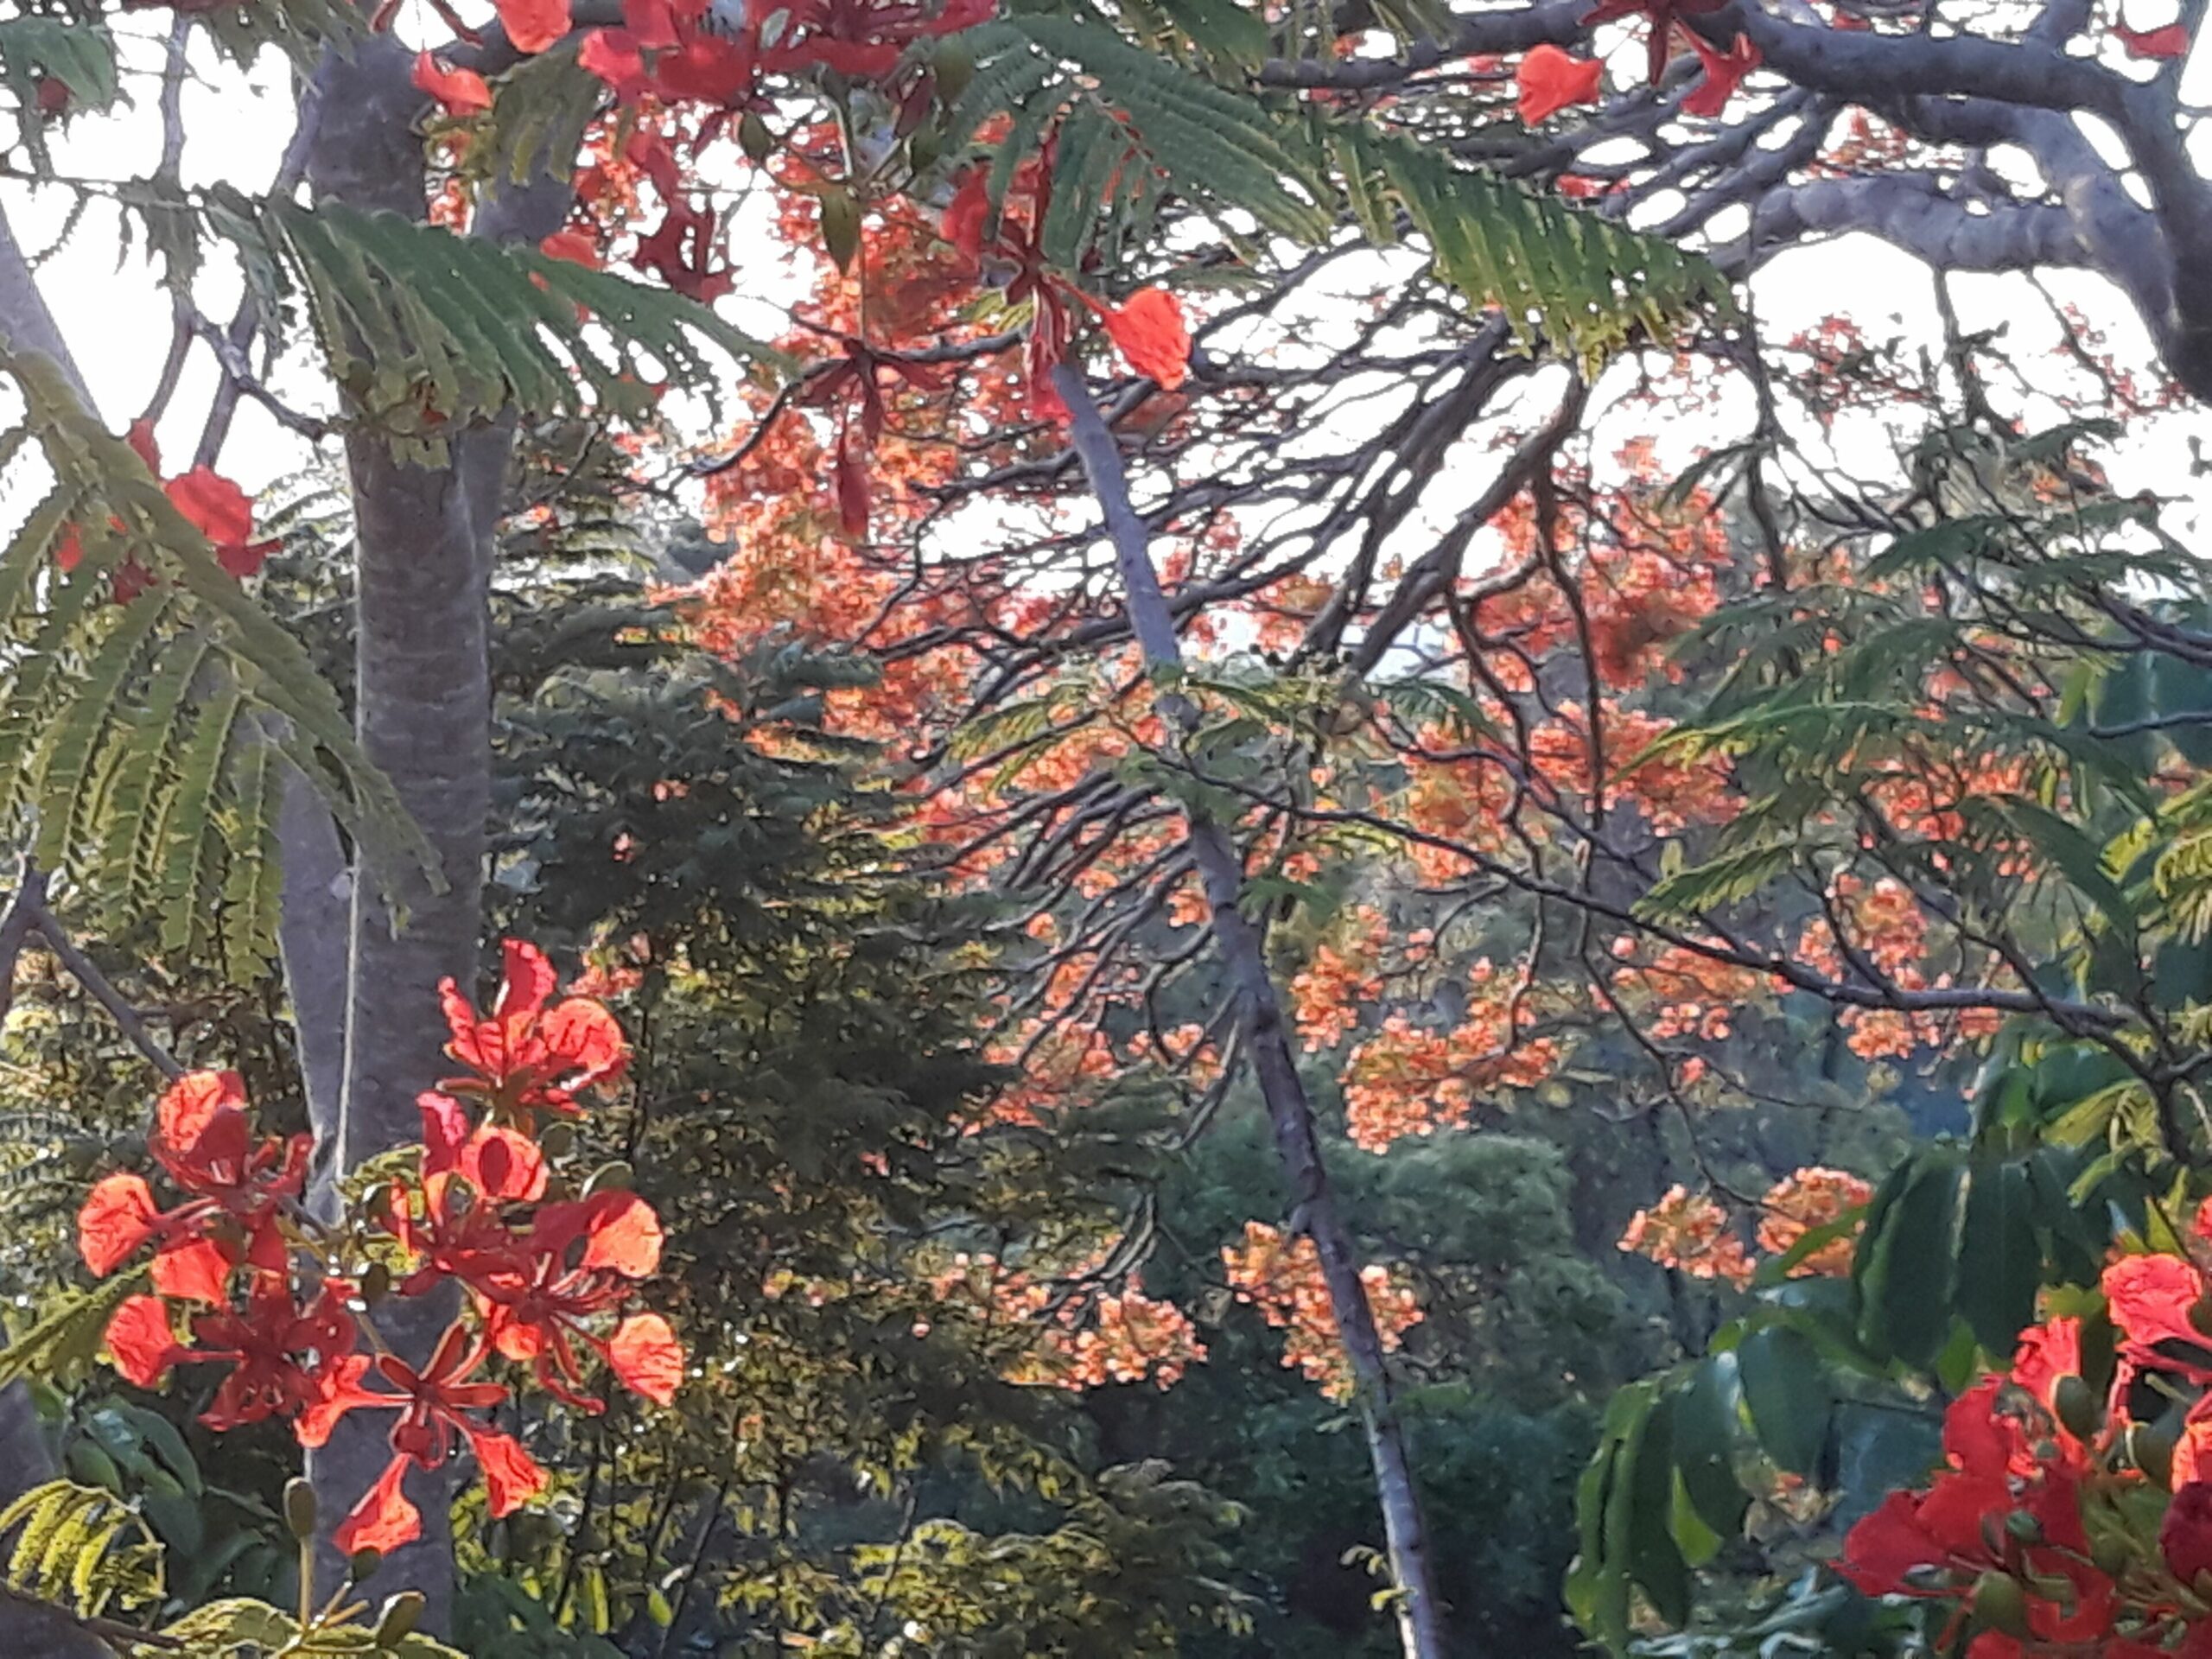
(2074, 1510)
(1281, 1277)
(244, 1277)
(1692, 1233)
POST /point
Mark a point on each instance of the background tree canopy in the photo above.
(1352, 908)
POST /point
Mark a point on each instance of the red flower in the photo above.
(1724, 71)
(285, 1358)
(459, 91)
(529, 1057)
(539, 1304)
(435, 1406)
(534, 25)
(577, 245)
(203, 1139)
(2170, 41)
(1939, 1542)
(220, 511)
(1549, 81)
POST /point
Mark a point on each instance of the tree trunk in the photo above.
(423, 714)
(1420, 1614)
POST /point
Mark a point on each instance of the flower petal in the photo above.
(622, 1234)
(459, 91)
(646, 1356)
(534, 25)
(1149, 331)
(118, 1217)
(512, 1475)
(192, 1103)
(194, 1270)
(141, 1342)
(526, 980)
(384, 1519)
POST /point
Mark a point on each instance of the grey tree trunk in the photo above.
(1290, 1114)
(422, 567)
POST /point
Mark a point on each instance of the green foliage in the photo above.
(424, 331)
(1133, 123)
(137, 740)
(80, 1547)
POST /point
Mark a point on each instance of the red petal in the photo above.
(623, 1234)
(219, 509)
(461, 92)
(964, 218)
(526, 981)
(69, 549)
(118, 1217)
(613, 55)
(140, 437)
(1549, 80)
(585, 1038)
(512, 1477)
(534, 25)
(140, 1342)
(652, 24)
(2151, 1296)
(195, 1100)
(2170, 41)
(194, 1270)
(501, 1164)
(338, 1390)
(849, 474)
(445, 1131)
(384, 1519)
(578, 247)
(1149, 331)
(646, 1356)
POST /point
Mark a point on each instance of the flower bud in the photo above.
(841, 226)
(376, 1283)
(1999, 1604)
(954, 66)
(755, 138)
(2200, 1313)
(2111, 1553)
(610, 1176)
(924, 146)
(299, 1508)
(2024, 1527)
(2075, 1403)
(557, 1140)
(401, 1614)
(363, 1564)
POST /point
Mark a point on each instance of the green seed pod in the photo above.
(401, 1614)
(2150, 1448)
(2075, 1403)
(841, 227)
(2112, 1554)
(755, 138)
(954, 66)
(1999, 1604)
(609, 1177)
(299, 1508)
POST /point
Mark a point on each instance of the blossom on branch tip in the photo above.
(530, 1054)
